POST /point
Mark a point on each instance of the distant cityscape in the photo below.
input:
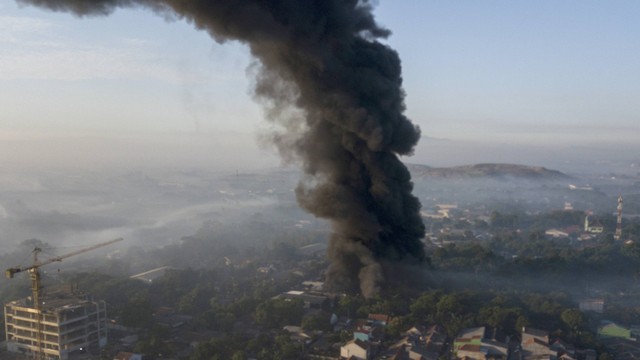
(519, 268)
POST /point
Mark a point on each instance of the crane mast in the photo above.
(36, 287)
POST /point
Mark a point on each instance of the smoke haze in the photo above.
(335, 92)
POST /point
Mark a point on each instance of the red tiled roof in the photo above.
(469, 347)
(380, 317)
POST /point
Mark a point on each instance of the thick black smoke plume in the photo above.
(324, 76)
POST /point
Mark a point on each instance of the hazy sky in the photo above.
(483, 79)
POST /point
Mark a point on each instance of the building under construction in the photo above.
(56, 324)
(65, 324)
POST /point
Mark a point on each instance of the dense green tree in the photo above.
(155, 343)
(239, 355)
(318, 321)
(449, 311)
(276, 313)
(574, 319)
(494, 316)
(467, 257)
(606, 356)
(258, 343)
(559, 219)
(348, 305)
(243, 305)
(522, 322)
(216, 319)
(398, 325)
(285, 349)
(118, 292)
(195, 300)
(499, 220)
(388, 304)
(283, 251)
(137, 312)
(175, 283)
(218, 348)
(423, 309)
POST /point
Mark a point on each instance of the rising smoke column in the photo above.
(336, 92)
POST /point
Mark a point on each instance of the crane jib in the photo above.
(10, 272)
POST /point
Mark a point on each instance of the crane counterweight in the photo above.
(10, 272)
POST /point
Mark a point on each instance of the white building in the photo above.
(595, 305)
(62, 326)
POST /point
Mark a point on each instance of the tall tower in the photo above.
(618, 234)
(586, 223)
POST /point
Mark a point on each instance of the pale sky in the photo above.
(494, 75)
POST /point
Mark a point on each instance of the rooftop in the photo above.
(58, 304)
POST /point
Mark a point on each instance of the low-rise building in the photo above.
(595, 305)
(476, 343)
(366, 330)
(565, 351)
(535, 344)
(379, 319)
(310, 301)
(355, 349)
(418, 343)
(609, 329)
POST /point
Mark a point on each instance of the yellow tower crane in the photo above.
(34, 274)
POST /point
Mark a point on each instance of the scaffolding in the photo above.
(57, 329)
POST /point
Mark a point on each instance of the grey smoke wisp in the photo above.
(337, 92)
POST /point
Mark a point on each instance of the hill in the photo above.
(487, 171)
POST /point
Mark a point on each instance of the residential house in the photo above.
(356, 350)
(412, 347)
(477, 343)
(565, 351)
(609, 329)
(419, 343)
(297, 334)
(535, 344)
(366, 330)
(405, 353)
(379, 319)
(529, 333)
(619, 340)
(622, 349)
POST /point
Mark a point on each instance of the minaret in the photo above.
(586, 223)
(618, 234)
